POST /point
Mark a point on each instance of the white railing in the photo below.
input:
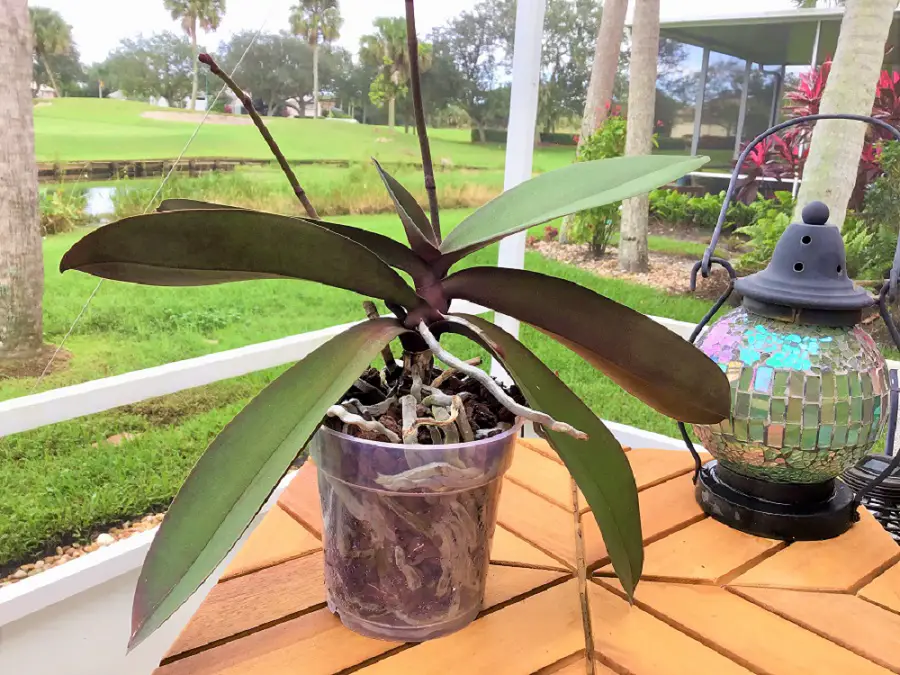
(74, 618)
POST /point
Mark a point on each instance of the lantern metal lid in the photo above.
(807, 280)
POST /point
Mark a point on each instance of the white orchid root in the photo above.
(450, 372)
(348, 417)
(488, 383)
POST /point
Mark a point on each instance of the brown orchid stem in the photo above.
(257, 120)
(488, 383)
(372, 313)
(419, 109)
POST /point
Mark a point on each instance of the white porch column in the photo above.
(698, 107)
(523, 107)
(815, 51)
(742, 112)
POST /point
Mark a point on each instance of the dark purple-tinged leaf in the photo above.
(392, 252)
(197, 248)
(240, 469)
(598, 464)
(645, 358)
(573, 188)
(419, 231)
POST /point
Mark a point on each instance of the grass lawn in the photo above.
(64, 481)
(98, 129)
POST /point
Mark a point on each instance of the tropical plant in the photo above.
(193, 243)
(194, 14)
(52, 36)
(386, 50)
(319, 22)
(595, 226)
(62, 210)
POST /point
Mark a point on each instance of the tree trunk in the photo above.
(194, 50)
(50, 75)
(633, 255)
(482, 136)
(830, 171)
(21, 264)
(315, 81)
(392, 110)
(606, 64)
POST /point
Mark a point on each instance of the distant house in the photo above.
(160, 101)
(43, 91)
(117, 95)
(199, 104)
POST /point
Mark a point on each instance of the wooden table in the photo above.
(712, 600)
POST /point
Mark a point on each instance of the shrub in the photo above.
(499, 136)
(671, 206)
(771, 220)
(673, 144)
(62, 210)
(595, 226)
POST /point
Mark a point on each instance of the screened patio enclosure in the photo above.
(770, 45)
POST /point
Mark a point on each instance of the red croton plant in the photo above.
(784, 156)
(189, 243)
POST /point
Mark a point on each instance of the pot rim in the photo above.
(422, 447)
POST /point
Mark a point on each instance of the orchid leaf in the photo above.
(240, 469)
(598, 465)
(643, 357)
(196, 248)
(392, 252)
(419, 231)
(579, 186)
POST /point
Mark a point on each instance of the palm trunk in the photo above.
(21, 265)
(50, 75)
(392, 112)
(606, 64)
(603, 77)
(316, 80)
(196, 64)
(633, 256)
(830, 172)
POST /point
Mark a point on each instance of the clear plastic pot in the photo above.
(408, 531)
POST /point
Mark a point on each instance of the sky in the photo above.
(99, 25)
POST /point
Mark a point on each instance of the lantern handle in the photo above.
(696, 333)
(729, 194)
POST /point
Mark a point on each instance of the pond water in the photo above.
(100, 201)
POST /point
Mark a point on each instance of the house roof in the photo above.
(770, 38)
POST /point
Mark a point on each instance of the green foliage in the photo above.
(772, 218)
(316, 20)
(62, 210)
(677, 208)
(879, 218)
(595, 226)
(53, 45)
(160, 65)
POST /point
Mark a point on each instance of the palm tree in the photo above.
(387, 50)
(207, 14)
(831, 170)
(606, 64)
(319, 21)
(633, 256)
(52, 37)
(21, 266)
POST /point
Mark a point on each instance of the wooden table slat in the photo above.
(884, 589)
(840, 564)
(713, 600)
(278, 538)
(749, 634)
(703, 552)
(851, 622)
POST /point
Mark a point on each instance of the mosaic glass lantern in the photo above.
(810, 389)
(809, 386)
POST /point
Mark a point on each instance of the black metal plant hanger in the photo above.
(888, 290)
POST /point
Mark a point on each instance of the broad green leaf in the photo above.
(573, 188)
(240, 469)
(392, 252)
(598, 465)
(196, 248)
(645, 358)
(419, 230)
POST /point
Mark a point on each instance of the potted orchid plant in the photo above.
(410, 455)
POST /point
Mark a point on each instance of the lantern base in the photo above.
(789, 511)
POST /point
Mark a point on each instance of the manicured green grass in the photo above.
(56, 486)
(95, 129)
